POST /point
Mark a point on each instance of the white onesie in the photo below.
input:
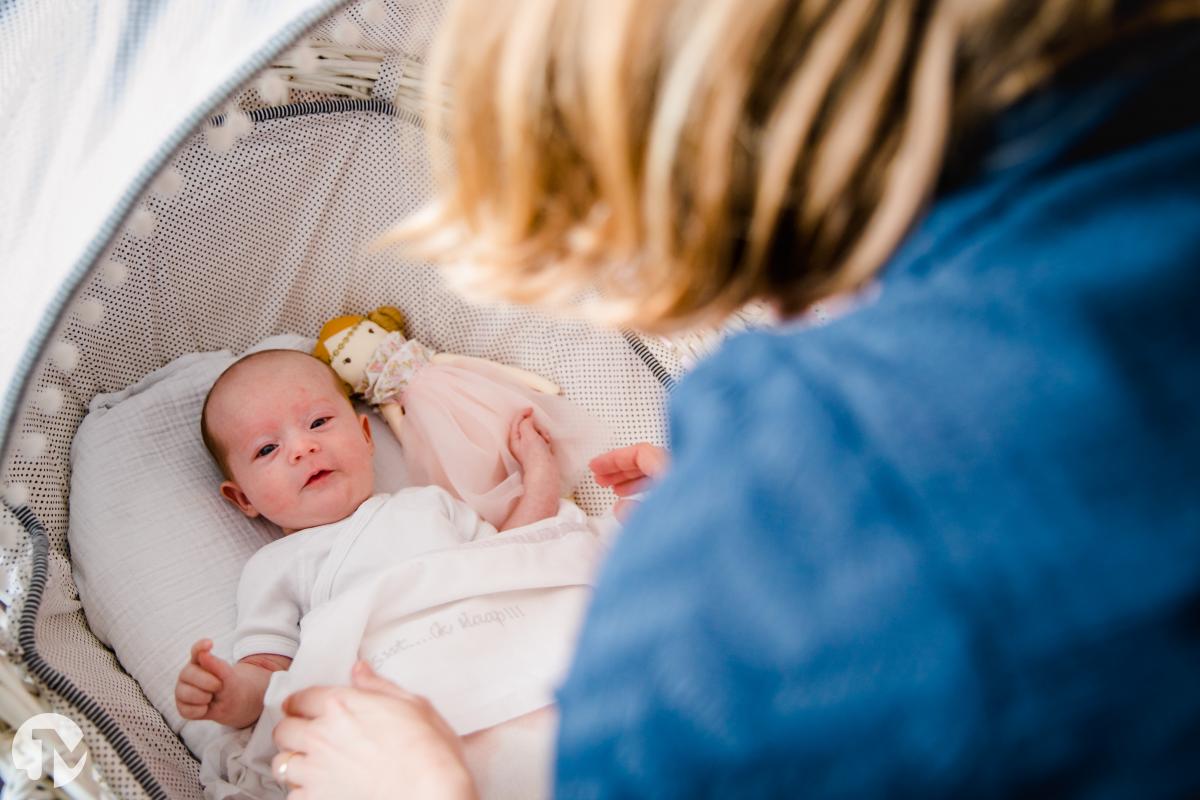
(480, 622)
(279, 583)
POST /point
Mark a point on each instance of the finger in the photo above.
(200, 646)
(617, 478)
(202, 650)
(627, 488)
(624, 508)
(514, 428)
(527, 427)
(653, 460)
(291, 734)
(613, 478)
(312, 702)
(190, 711)
(218, 667)
(620, 463)
(541, 431)
(363, 677)
(634, 460)
(192, 696)
(195, 675)
(650, 459)
(634, 457)
(293, 776)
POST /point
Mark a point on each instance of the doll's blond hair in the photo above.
(662, 162)
(389, 318)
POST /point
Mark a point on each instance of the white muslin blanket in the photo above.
(483, 629)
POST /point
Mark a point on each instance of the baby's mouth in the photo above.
(317, 477)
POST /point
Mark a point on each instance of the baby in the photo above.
(294, 451)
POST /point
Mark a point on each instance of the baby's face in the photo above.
(296, 451)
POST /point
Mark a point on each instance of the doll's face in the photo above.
(360, 342)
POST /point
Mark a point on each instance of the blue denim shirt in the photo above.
(948, 545)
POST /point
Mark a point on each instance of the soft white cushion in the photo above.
(156, 551)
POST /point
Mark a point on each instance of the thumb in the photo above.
(213, 664)
(624, 508)
(363, 677)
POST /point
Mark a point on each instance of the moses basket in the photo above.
(187, 177)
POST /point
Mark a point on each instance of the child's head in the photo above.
(288, 440)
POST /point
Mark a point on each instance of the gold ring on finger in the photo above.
(281, 770)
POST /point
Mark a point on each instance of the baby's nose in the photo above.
(304, 448)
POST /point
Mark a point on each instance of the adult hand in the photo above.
(368, 740)
(629, 470)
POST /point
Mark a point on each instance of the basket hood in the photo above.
(95, 101)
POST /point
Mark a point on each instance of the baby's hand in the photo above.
(629, 471)
(205, 688)
(531, 446)
(540, 480)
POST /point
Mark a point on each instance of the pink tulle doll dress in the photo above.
(457, 419)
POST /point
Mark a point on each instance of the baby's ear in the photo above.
(234, 494)
(366, 426)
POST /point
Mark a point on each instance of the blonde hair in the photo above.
(390, 318)
(659, 164)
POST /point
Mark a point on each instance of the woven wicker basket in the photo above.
(223, 230)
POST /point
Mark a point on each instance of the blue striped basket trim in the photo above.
(56, 681)
(638, 346)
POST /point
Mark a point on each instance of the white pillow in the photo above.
(156, 552)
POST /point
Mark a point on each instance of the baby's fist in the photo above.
(201, 679)
(530, 444)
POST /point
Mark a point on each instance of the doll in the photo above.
(451, 413)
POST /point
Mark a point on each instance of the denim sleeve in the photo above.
(765, 627)
(839, 591)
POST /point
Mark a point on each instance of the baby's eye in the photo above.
(318, 422)
(345, 360)
(265, 450)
